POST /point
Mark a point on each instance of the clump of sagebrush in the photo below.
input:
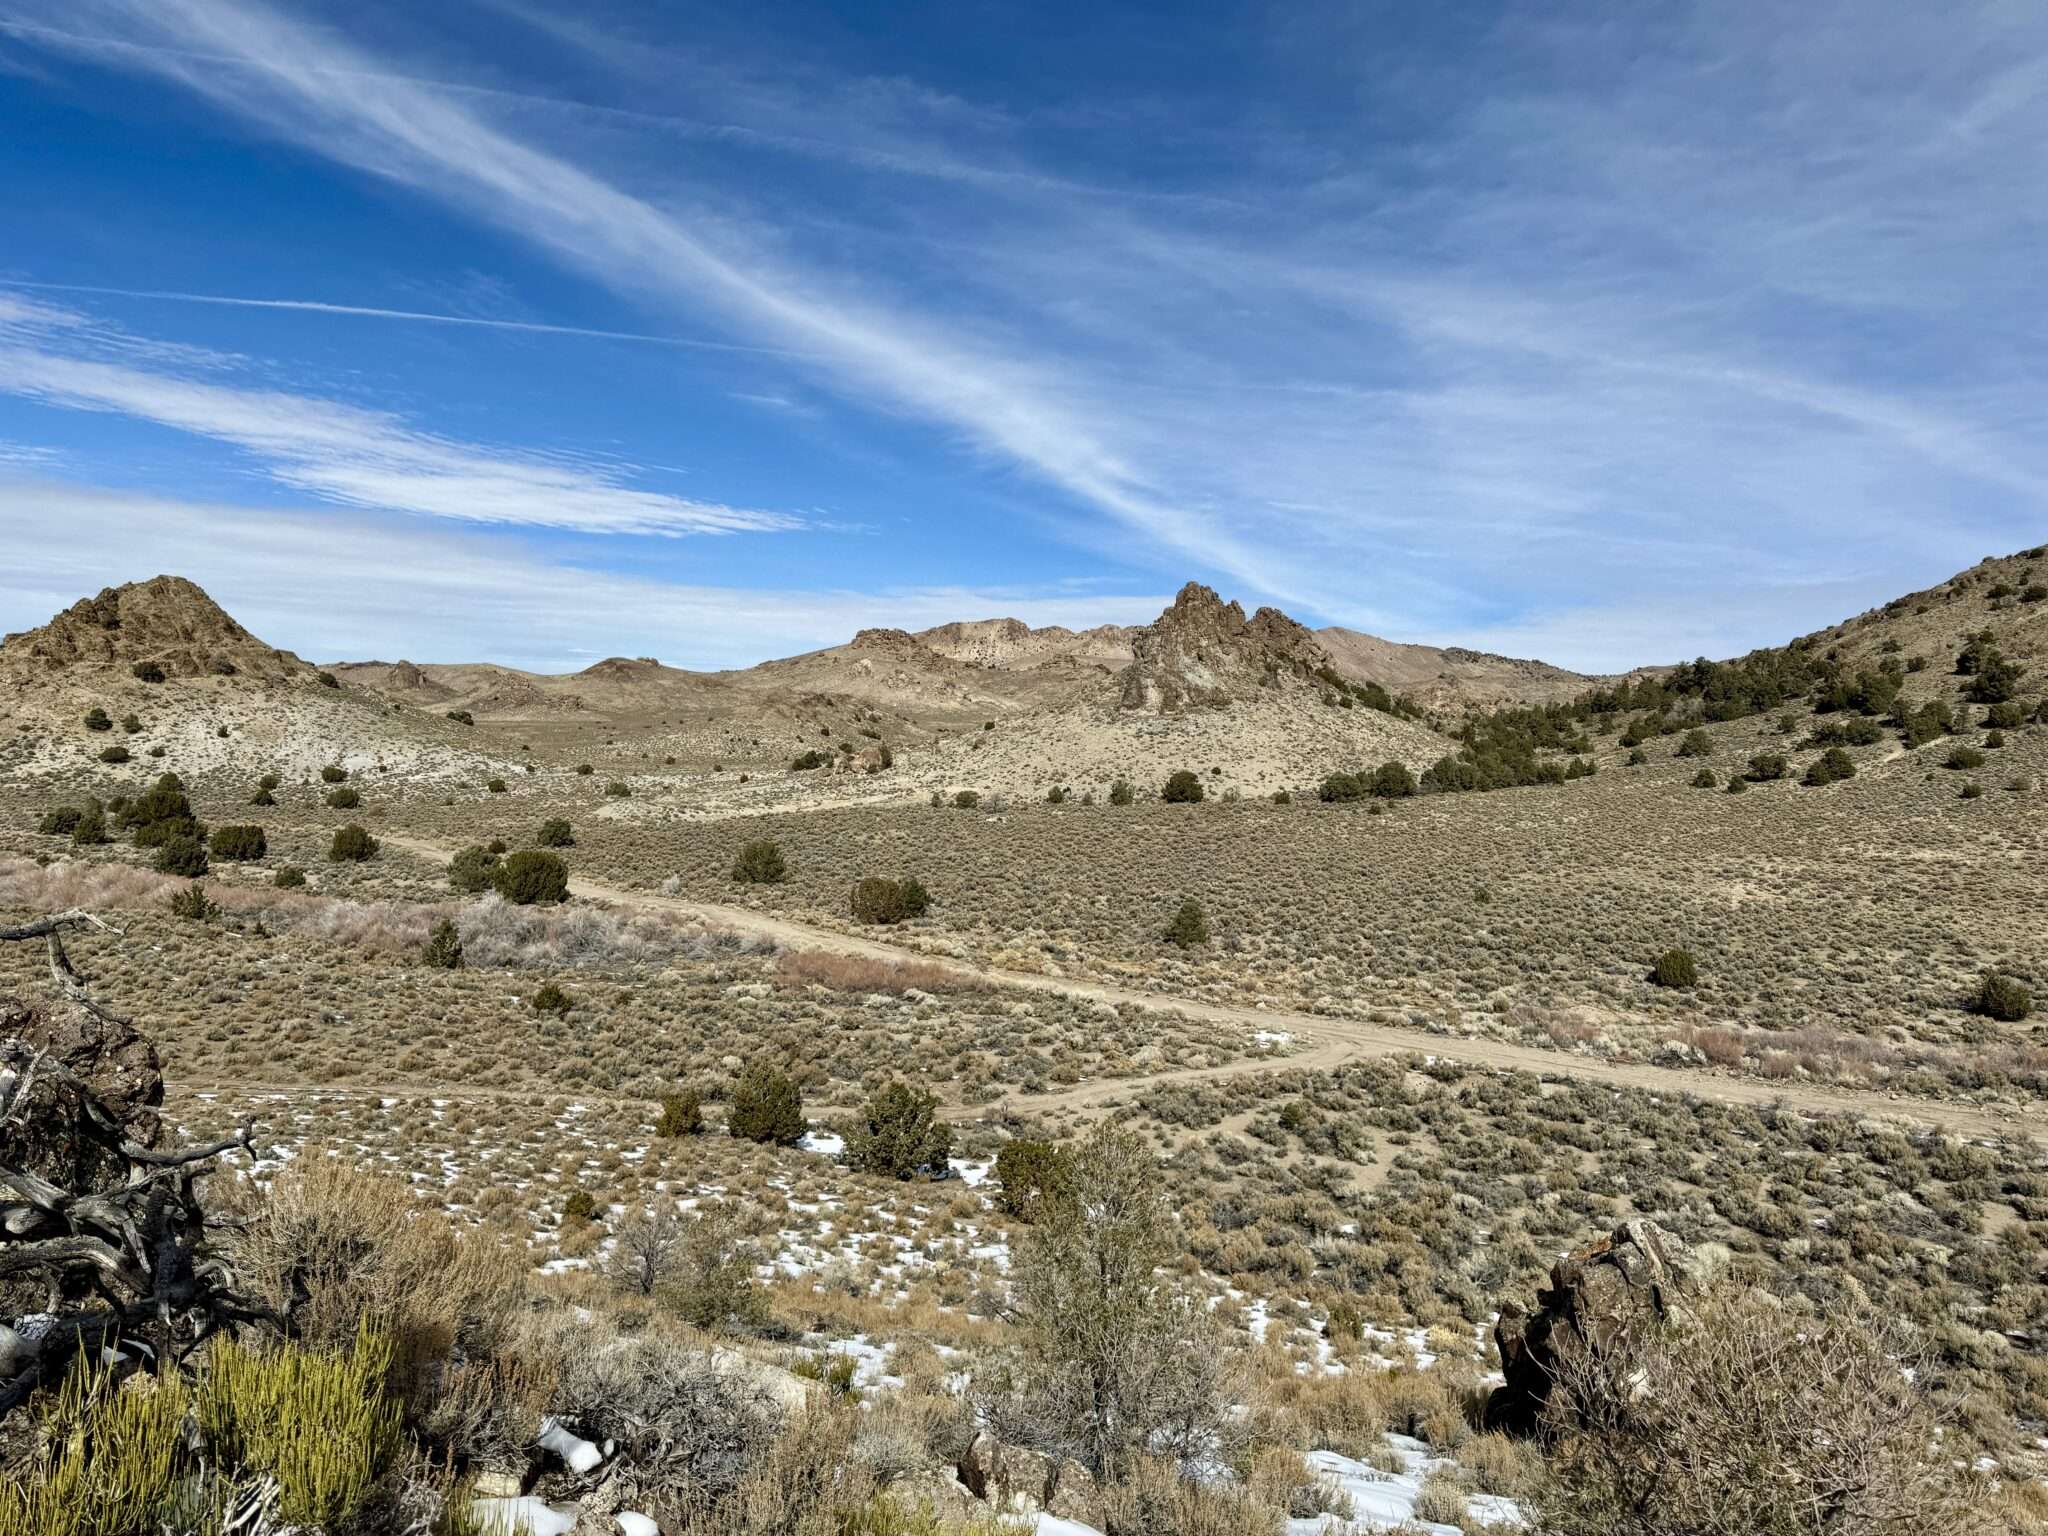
(967, 799)
(899, 1134)
(344, 797)
(192, 904)
(239, 844)
(289, 878)
(1704, 779)
(2001, 997)
(531, 877)
(333, 774)
(555, 833)
(618, 789)
(1182, 787)
(1831, 767)
(552, 999)
(760, 862)
(880, 900)
(181, 855)
(444, 947)
(767, 1106)
(1026, 1173)
(115, 754)
(352, 845)
(1764, 767)
(1190, 926)
(1676, 968)
(1121, 793)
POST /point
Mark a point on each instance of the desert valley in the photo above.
(752, 1026)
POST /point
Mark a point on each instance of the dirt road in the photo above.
(1324, 1042)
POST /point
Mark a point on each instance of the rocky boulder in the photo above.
(1639, 1270)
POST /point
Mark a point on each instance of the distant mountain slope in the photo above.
(1450, 679)
(166, 622)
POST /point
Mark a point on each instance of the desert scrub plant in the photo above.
(97, 719)
(60, 821)
(618, 789)
(555, 833)
(682, 1114)
(1182, 787)
(461, 717)
(1831, 767)
(877, 899)
(1767, 766)
(192, 904)
(333, 773)
(1695, 743)
(472, 870)
(2001, 997)
(1676, 968)
(767, 1106)
(1121, 793)
(352, 845)
(344, 797)
(90, 830)
(146, 672)
(531, 876)
(444, 947)
(899, 1134)
(289, 878)
(1026, 1173)
(1968, 758)
(967, 799)
(552, 999)
(1190, 926)
(181, 855)
(760, 862)
(114, 754)
(239, 845)
(1705, 779)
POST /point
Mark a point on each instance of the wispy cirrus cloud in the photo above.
(438, 594)
(342, 452)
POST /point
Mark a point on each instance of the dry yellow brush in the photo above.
(299, 1434)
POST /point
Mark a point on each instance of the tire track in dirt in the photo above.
(1328, 1042)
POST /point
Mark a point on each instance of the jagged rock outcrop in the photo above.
(166, 621)
(1204, 651)
(1016, 1481)
(1639, 1270)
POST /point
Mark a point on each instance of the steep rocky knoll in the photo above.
(1204, 652)
(1011, 644)
(165, 622)
(1450, 679)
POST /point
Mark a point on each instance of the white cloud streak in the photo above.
(347, 454)
(390, 590)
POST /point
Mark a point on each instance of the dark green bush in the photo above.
(682, 1114)
(1182, 788)
(263, 797)
(495, 786)
(333, 774)
(146, 672)
(345, 797)
(59, 822)
(552, 999)
(2004, 998)
(899, 1134)
(1028, 1173)
(967, 799)
(1704, 779)
(239, 844)
(584, 770)
(289, 878)
(91, 827)
(555, 833)
(877, 899)
(1696, 744)
(96, 720)
(1675, 968)
(618, 789)
(179, 854)
(352, 845)
(1831, 767)
(1964, 758)
(444, 947)
(1120, 793)
(327, 679)
(767, 1106)
(530, 877)
(114, 754)
(1189, 926)
(462, 717)
(132, 724)
(580, 1206)
(809, 760)
(760, 862)
(1637, 758)
(471, 871)
(1767, 766)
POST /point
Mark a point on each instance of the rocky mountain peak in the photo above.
(167, 621)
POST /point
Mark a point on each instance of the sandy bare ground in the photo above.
(1322, 1043)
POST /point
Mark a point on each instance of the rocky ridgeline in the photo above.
(1203, 652)
(166, 622)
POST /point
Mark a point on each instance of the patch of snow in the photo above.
(1385, 1501)
(578, 1453)
(636, 1524)
(825, 1143)
(523, 1517)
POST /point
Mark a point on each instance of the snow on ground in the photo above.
(825, 1143)
(1385, 1501)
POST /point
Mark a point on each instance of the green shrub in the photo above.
(352, 845)
(1120, 793)
(444, 947)
(580, 1206)
(96, 720)
(1767, 766)
(181, 855)
(1964, 758)
(263, 797)
(346, 797)
(1696, 743)
(1189, 926)
(682, 1114)
(90, 830)
(462, 717)
(767, 1106)
(114, 754)
(1282, 797)
(239, 844)
(760, 862)
(552, 999)
(584, 770)
(59, 822)
(1182, 788)
(809, 760)
(1027, 1173)
(555, 833)
(289, 878)
(132, 724)
(1676, 968)
(471, 871)
(1737, 784)
(327, 679)
(1704, 779)
(967, 799)
(269, 781)
(1831, 767)
(880, 900)
(146, 672)
(2005, 717)
(2001, 997)
(899, 1134)
(532, 877)
(495, 786)
(333, 774)
(192, 904)
(1973, 790)
(618, 789)
(1057, 795)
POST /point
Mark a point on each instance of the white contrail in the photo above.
(373, 312)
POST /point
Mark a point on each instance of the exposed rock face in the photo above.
(1639, 1269)
(1203, 651)
(166, 620)
(1016, 1481)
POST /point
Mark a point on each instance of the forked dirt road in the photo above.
(1325, 1042)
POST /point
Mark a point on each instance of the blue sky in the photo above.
(493, 329)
